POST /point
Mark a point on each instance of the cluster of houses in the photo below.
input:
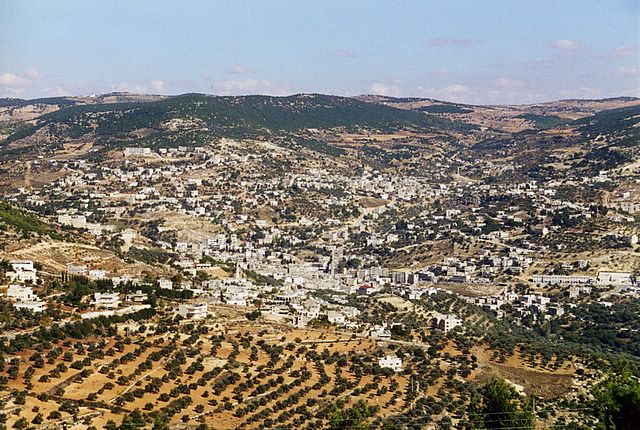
(509, 226)
(22, 276)
(538, 304)
(23, 297)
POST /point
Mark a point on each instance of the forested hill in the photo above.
(234, 116)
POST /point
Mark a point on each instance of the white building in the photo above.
(165, 284)
(138, 296)
(74, 269)
(23, 271)
(615, 278)
(106, 300)
(391, 362)
(109, 312)
(236, 300)
(562, 279)
(336, 317)
(97, 274)
(20, 293)
(446, 323)
(195, 311)
(22, 265)
(128, 236)
(25, 298)
(117, 280)
(132, 152)
(380, 332)
(33, 306)
(76, 221)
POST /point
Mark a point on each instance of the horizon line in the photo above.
(96, 95)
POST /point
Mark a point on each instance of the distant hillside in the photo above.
(23, 222)
(387, 130)
(234, 116)
(60, 101)
(117, 97)
(620, 123)
(508, 118)
(605, 140)
(543, 121)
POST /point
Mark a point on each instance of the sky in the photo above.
(474, 51)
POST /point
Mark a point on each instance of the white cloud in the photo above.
(56, 91)
(621, 52)
(151, 87)
(251, 86)
(634, 92)
(509, 84)
(12, 80)
(455, 89)
(440, 72)
(567, 45)
(628, 71)
(32, 74)
(13, 85)
(12, 92)
(507, 91)
(392, 89)
(127, 87)
(239, 70)
(456, 93)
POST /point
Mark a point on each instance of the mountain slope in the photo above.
(508, 118)
(607, 140)
(247, 115)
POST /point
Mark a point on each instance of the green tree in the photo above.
(497, 405)
(354, 418)
(160, 423)
(617, 402)
(134, 420)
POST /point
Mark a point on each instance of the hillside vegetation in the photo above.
(22, 221)
(233, 116)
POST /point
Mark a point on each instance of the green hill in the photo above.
(236, 116)
(22, 221)
(543, 121)
(60, 101)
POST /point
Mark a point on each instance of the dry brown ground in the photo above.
(539, 381)
(188, 228)
(372, 202)
(277, 334)
(55, 255)
(534, 379)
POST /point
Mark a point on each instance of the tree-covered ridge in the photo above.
(242, 114)
(613, 121)
(22, 221)
(603, 141)
(444, 108)
(60, 101)
(543, 121)
(615, 328)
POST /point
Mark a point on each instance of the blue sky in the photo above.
(471, 51)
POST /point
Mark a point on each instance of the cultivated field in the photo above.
(228, 373)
